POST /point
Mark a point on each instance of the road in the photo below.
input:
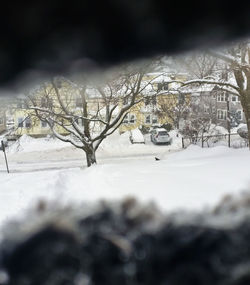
(32, 166)
(56, 159)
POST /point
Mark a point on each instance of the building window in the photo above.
(20, 122)
(44, 124)
(154, 120)
(239, 115)
(151, 119)
(148, 119)
(129, 119)
(28, 123)
(222, 114)
(132, 119)
(235, 98)
(24, 123)
(162, 86)
(222, 97)
(154, 101)
(147, 101)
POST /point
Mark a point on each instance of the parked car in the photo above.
(160, 136)
(136, 136)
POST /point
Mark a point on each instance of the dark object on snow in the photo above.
(243, 132)
(156, 158)
(58, 36)
(128, 245)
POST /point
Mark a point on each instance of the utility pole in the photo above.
(225, 77)
(228, 120)
(6, 161)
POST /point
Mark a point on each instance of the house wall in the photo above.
(37, 128)
(139, 115)
(147, 114)
(25, 122)
(2, 122)
(211, 103)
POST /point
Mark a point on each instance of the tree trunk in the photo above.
(177, 124)
(247, 115)
(90, 156)
(245, 102)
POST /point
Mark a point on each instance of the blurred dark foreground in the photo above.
(128, 244)
(40, 38)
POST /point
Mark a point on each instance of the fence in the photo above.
(230, 140)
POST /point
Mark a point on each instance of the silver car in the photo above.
(160, 136)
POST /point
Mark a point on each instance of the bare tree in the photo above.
(88, 112)
(234, 78)
(195, 127)
(197, 122)
(200, 65)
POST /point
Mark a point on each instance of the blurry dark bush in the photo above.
(128, 244)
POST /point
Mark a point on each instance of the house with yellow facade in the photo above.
(28, 121)
(161, 91)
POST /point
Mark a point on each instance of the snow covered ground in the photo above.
(28, 149)
(190, 179)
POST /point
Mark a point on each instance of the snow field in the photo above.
(191, 179)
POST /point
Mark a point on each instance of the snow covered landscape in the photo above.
(191, 179)
(125, 144)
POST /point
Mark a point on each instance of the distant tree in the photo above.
(234, 75)
(195, 126)
(198, 65)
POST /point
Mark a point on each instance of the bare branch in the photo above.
(205, 81)
(225, 57)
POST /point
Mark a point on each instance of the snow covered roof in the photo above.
(93, 93)
(199, 88)
(159, 77)
(161, 130)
